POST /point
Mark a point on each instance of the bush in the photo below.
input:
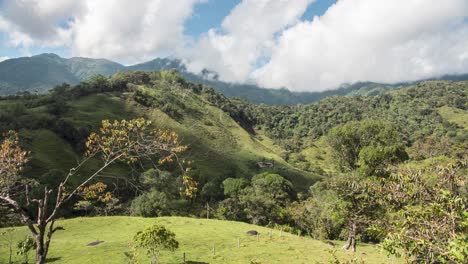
(154, 239)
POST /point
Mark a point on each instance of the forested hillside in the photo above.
(333, 169)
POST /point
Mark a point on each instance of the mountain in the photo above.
(42, 72)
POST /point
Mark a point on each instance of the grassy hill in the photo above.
(196, 237)
(218, 145)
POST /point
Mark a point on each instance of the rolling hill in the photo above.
(219, 146)
(226, 138)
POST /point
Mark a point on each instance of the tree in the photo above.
(366, 145)
(154, 239)
(124, 141)
(429, 222)
(322, 215)
(233, 186)
(361, 204)
(95, 196)
(264, 200)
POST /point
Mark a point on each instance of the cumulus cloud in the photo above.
(125, 30)
(263, 41)
(38, 22)
(375, 40)
(2, 58)
(246, 36)
(131, 30)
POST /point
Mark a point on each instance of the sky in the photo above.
(303, 45)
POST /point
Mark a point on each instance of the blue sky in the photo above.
(211, 14)
(304, 45)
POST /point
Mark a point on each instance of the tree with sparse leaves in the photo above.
(118, 141)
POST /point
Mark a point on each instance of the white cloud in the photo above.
(125, 30)
(130, 30)
(247, 35)
(376, 40)
(37, 22)
(2, 58)
(355, 40)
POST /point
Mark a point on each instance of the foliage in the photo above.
(232, 187)
(263, 201)
(368, 145)
(133, 139)
(160, 195)
(24, 246)
(12, 161)
(128, 141)
(96, 196)
(430, 220)
(361, 206)
(322, 216)
(154, 239)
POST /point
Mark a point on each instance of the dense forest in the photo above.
(388, 168)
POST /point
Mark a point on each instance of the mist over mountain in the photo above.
(40, 73)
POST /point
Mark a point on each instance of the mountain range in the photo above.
(40, 73)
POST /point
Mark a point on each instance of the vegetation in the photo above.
(388, 169)
(126, 141)
(154, 239)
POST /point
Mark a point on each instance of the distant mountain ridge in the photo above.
(42, 72)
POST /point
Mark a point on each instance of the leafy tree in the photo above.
(98, 83)
(361, 206)
(126, 141)
(427, 215)
(153, 203)
(154, 239)
(322, 215)
(367, 145)
(265, 199)
(233, 186)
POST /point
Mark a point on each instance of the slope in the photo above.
(54, 127)
(197, 237)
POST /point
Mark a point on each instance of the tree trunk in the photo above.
(351, 238)
(40, 250)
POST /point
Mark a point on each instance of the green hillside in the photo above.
(196, 237)
(218, 146)
(283, 167)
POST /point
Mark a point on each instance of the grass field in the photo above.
(197, 237)
(455, 115)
